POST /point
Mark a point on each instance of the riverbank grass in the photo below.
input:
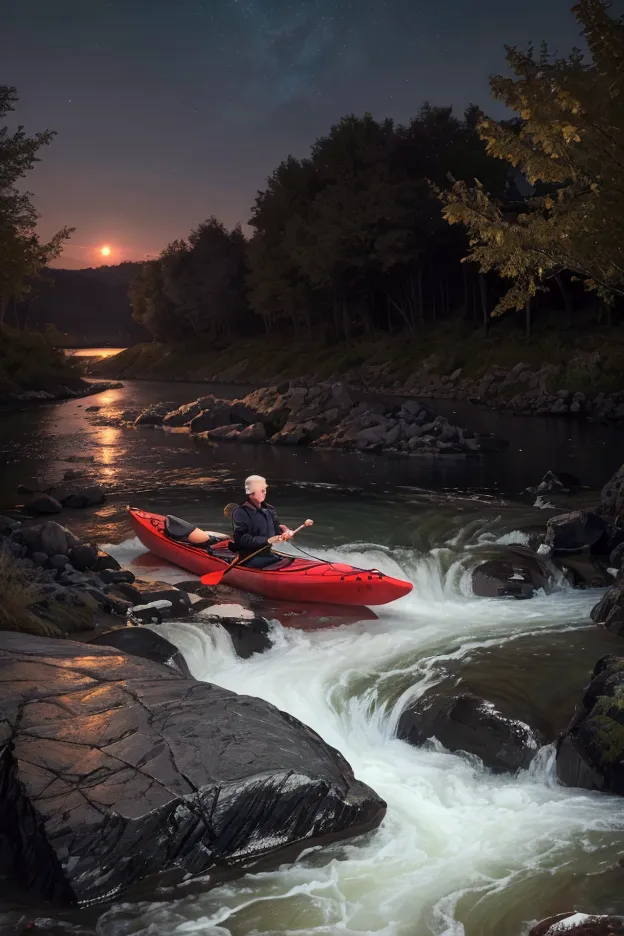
(385, 359)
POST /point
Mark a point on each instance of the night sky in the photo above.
(168, 111)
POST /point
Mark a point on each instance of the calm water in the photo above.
(93, 352)
(461, 852)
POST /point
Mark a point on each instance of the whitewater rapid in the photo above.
(461, 852)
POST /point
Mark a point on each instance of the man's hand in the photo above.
(275, 539)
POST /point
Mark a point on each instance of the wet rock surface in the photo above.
(145, 643)
(574, 923)
(471, 724)
(590, 753)
(115, 768)
(517, 573)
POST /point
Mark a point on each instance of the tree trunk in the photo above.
(421, 311)
(4, 303)
(567, 299)
(467, 308)
(484, 303)
(527, 310)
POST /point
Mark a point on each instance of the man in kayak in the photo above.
(256, 525)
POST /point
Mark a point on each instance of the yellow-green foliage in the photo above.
(569, 142)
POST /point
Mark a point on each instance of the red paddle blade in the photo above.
(212, 578)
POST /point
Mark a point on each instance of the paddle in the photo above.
(213, 578)
(229, 509)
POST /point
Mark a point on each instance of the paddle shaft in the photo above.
(213, 578)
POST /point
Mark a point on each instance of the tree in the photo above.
(569, 144)
(22, 255)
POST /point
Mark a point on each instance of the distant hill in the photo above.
(91, 306)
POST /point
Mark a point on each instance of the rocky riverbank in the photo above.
(79, 388)
(179, 762)
(582, 380)
(320, 416)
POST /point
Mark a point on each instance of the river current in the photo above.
(461, 852)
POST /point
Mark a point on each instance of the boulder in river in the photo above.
(115, 768)
(590, 753)
(575, 531)
(610, 609)
(517, 573)
(573, 923)
(468, 723)
(612, 496)
(145, 643)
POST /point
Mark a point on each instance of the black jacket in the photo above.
(253, 527)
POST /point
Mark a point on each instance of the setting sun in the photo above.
(105, 251)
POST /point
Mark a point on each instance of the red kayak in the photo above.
(290, 579)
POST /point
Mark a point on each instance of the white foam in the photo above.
(453, 831)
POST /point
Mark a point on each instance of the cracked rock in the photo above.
(114, 768)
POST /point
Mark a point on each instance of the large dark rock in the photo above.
(468, 723)
(114, 768)
(142, 592)
(584, 570)
(248, 635)
(575, 531)
(216, 413)
(573, 923)
(610, 609)
(145, 643)
(518, 573)
(590, 753)
(49, 537)
(44, 504)
(612, 496)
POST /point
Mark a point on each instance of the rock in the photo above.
(149, 418)
(8, 526)
(79, 498)
(142, 592)
(518, 573)
(39, 558)
(149, 615)
(216, 414)
(183, 415)
(584, 570)
(58, 562)
(49, 537)
(249, 636)
(92, 409)
(253, 434)
(468, 723)
(575, 531)
(115, 768)
(104, 561)
(556, 482)
(573, 923)
(72, 474)
(590, 753)
(83, 556)
(110, 577)
(44, 504)
(612, 496)
(610, 609)
(142, 642)
(229, 433)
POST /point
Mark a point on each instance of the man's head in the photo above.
(256, 487)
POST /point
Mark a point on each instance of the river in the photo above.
(461, 852)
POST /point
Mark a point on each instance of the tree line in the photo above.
(392, 227)
(395, 227)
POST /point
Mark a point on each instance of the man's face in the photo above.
(259, 491)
